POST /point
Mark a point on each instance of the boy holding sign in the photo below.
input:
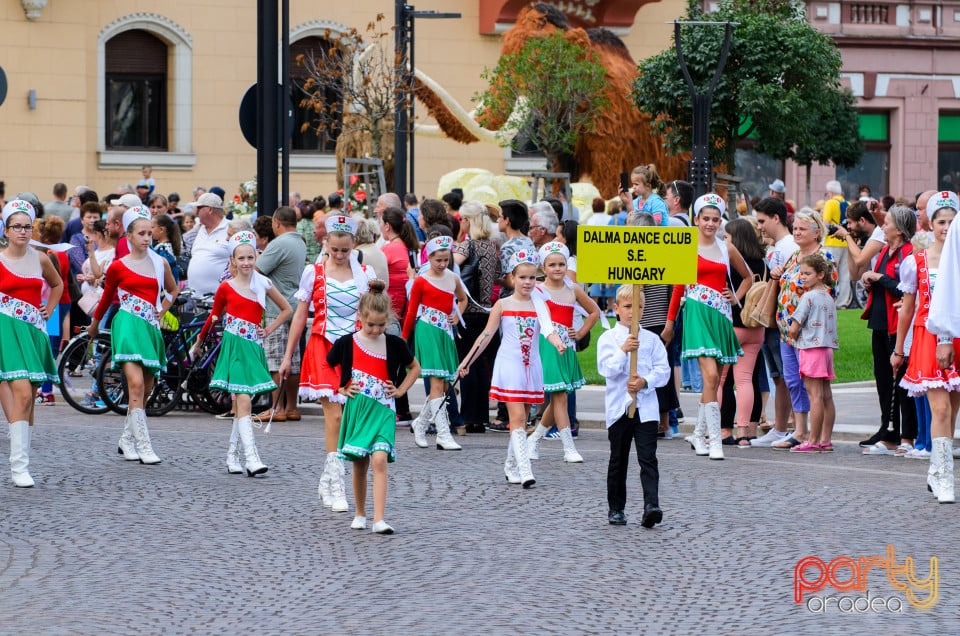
(613, 363)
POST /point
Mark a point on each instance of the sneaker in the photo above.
(918, 453)
(553, 433)
(806, 447)
(499, 427)
(46, 399)
(903, 449)
(679, 414)
(873, 439)
(878, 449)
(770, 438)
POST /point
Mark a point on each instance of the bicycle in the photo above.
(77, 367)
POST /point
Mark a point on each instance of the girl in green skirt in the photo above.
(375, 369)
(708, 332)
(437, 299)
(241, 367)
(143, 285)
(561, 371)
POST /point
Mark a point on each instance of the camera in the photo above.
(832, 229)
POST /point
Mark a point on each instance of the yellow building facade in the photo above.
(98, 88)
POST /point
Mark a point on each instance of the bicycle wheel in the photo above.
(167, 388)
(76, 368)
(112, 385)
(211, 400)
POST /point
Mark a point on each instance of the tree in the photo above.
(780, 86)
(554, 87)
(355, 87)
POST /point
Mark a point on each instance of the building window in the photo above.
(874, 167)
(948, 152)
(309, 139)
(136, 77)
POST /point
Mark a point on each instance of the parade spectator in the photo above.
(89, 214)
(742, 235)
(864, 238)
(678, 198)
(282, 261)
(808, 232)
(210, 253)
(166, 241)
(543, 224)
(412, 206)
(306, 227)
(647, 193)
(898, 418)
(59, 206)
(771, 214)
(835, 213)
(368, 237)
(158, 204)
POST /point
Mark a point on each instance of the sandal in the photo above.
(291, 416)
(264, 417)
(744, 442)
(787, 444)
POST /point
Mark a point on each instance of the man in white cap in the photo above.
(211, 253)
(835, 213)
(778, 190)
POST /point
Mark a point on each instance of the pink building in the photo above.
(901, 59)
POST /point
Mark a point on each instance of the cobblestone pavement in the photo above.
(103, 546)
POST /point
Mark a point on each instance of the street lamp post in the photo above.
(700, 168)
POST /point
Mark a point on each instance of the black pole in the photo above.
(283, 96)
(411, 105)
(268, 144)
(400, 110)
(261, 10)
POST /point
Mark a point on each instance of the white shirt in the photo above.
(209, 257)
(879, 237)
(781, 252)
(614, 365)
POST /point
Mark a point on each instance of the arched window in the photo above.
(136, 91)
(310, 140)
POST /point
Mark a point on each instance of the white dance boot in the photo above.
(943, 451)
(338, 491)
(533, 442)
(127, 446)
(144, 448)
(570, 454)
(422, 421)
(326, 479)
(442, 421)
(510, 466)
(698, 440)
(234, 465)
(518, 439)
(20, 454)
(251, 458)
(711, 413)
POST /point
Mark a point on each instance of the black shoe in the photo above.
(876, 437)
(729, 441)
(652, 515)
(617, 518)
(476, 428)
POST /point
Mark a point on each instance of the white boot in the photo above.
(127, 446)
(142, 435)
(338, 492)
(20, 454)
(251, 457)
(420, 423)
(943, 450)
(533, 442)
(933, 470)
(711, 413)
(326, 479)
(234, 467)
(570, 454)
(442, 421)
(698, 440)
(510, 466)
(518, 439)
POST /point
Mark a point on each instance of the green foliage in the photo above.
(780, 86)
(553, 87)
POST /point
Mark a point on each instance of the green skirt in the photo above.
(25, 353)
(561, 373)
(133, 339)
(241, 367)
(367, 426)
(436, 352)
(708, 333)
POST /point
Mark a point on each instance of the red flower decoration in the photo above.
(360, 195)
(353, 179)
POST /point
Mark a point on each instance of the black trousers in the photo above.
(475, 386)
(621, 434)
(895, 405)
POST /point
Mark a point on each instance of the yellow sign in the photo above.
(645, 255)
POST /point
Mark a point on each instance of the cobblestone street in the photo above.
(105, 546)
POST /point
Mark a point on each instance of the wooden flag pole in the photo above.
(634, 330)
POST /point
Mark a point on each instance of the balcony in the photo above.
(887, 19)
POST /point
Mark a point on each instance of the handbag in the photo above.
(89, 300)
(765, 312)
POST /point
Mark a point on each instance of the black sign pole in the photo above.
(267, 107)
